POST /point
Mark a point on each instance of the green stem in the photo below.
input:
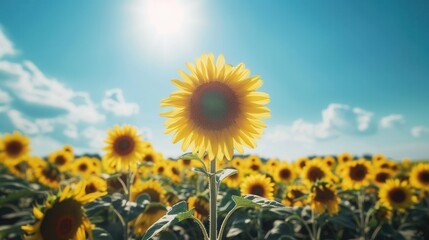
(298, 217)
(225, 221)
(361, 213)
(313, 225)
(203, 229)
(213, 197)
(127, 197)
(374, 234)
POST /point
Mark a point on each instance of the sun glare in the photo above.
(165, 17)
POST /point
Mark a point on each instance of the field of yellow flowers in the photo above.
(133, 192)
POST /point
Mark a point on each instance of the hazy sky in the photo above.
(343, 75)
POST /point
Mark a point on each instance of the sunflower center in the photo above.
(257, 190)
(358, 172)
(424, 177)
(296, 194)
(324, 195)
(148, 158)
(186, 162)
(214, 106)
(62, 220)
(123, 145)
(397, 195)
(175, 171)
(302, 164)
(60, 160)
(255, 167)
(161, 170)
(83, 167)
(315, 173)
(51, 173)
(21, 167)
(14, 148)
(153, 194)
(90, 188)
(382, 177)
(201, 206)
(285, 174)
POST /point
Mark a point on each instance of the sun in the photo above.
(165, 17)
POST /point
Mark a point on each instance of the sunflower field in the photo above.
(215, 191)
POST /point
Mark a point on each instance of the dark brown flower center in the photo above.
(255, 167)
(123, 145)
(21, 167)
(60, 160)
(153, 194)
(397, 195)
(161, 170)
(296, 193)
(302, 164)
(175, 171)
(201, 206)
(14, 148)
(83, 167)
(358, 172)
(90, 188)
(423, 177)
(324, 195)
(186, 162)
(381, 177)
(148, 158)
(214, 106)
(315, 173)
(285, 174)
(62, 220)
(52, 173)
(257, 189)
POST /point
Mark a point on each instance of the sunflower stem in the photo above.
(127, 197)
(213, 197)
(361, 213)
(225, 221)
(313, 226)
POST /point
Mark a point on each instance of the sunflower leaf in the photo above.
(189, 156)
(263, 202)
(224, 173)
(200, 170)
(178, 213)
(243, 202)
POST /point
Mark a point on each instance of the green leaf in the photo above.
(224, 173)
(100, 233)
(178, 212)
(243, 202)
(189, 156)
(16, 195)
(200, 170)
(254, 200)
(281, 230)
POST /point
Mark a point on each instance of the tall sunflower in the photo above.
(323, 196)
(124, 148)
(62, 217)
(284, 173)
(216, 108)
(419, 176)
(258, 185)
(315, 170)
(14, 146)
(357, 174)
(395, 194)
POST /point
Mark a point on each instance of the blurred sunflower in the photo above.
(96, 163)
(48, 175)
(356, 174)
(160, 168)
(344, 157)
(171, 198)
(152, 188)
(234, 180)
(68, 148)
(323, 196)
(95, 184)
(419, 176)
(381, 175)
(21, 168)
(254, 163)
(152, 213)
(174, 172)
(395, 194)
(124, 148)
(258, 185)
(378, 157)
(330, 161)
(150, 157)
(271, 165)
(236, 162)
(14, 146)
(293, 195)
(301, 162)
(61, 159)
(216, 108)
(201, 206)
(82, 166)
(62, 217)
(315, 170)
(284, 172)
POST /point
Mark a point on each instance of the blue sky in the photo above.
(343, 76)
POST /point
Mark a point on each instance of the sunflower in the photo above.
(82, 166)
(95, 184)
(68, 148)
(378, 157)
(150, 157)
(62, 217)
(160, 168)
(96, 163)
(381, 175)
(315, 170)
(61, 159)
(234, 180)
(152, 188)
(254, 164)
(284, 173)
(174, 172)
(200, 204)
(124, 148)
(236, 162)
(48, 175)
(330, 161)
(395, 194)
(152, 213)
(271, 164)
(323, 196)
(419, 176)
(171, 198)
(216, 108)
(294, 194)
(356, 174)
(22, 168)
(344, 157)
(301, 162)
(258, 185)
(14, 146)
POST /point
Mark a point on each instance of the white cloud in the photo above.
(6, 46)
(392, 121)
(419, 131)
(21, 123)
(114, 102)
(71, 131)
(5, 101)
(95, 137)
(337, 120)
(43, 145)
